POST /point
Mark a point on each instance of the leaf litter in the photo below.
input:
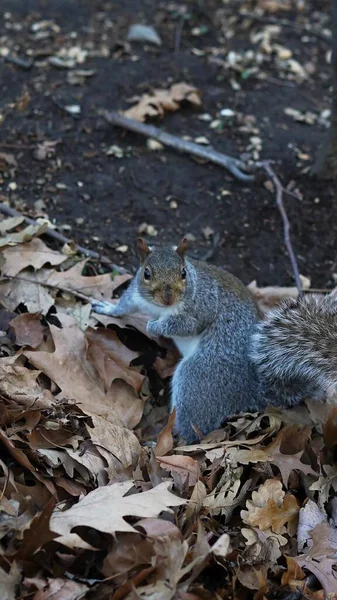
(97, 497)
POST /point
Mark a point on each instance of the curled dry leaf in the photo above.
(20, 384)
(28, 329)
(120, 443)
(154, 105)
(185, 466)
(25, 235)
(100, 287)
(104, 509)
(27, 288)
(310, 515)
(196, 500)
(322, 557)
(165, 440)
(10, 223)
(111, 358)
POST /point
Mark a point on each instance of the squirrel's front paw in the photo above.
(103, 308)
(153, 327)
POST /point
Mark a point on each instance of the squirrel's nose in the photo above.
(167, 295)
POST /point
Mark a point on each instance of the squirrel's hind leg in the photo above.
(192, 389)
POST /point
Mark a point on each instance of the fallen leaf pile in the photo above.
(97, 498)
(155, 104)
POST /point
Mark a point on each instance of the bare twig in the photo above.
(11, 212)
(286, 225)
(237, 167)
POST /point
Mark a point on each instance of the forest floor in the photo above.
(270, 69)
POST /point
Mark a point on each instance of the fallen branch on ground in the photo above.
(235, 166)
(12, 212)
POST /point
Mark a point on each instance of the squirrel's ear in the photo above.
(182, 247)
(142, 249)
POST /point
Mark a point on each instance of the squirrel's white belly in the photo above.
(187, 345)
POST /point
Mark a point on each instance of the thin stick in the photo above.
(237, 167)
(11, 212)
(286, 225)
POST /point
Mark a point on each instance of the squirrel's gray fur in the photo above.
(231, 360)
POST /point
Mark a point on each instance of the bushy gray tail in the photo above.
(296, 345)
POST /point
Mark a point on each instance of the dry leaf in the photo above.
(56, 589)
(9, 582)
(32, 254)
(27, 289)
(69, 368)
(184, 465)
(269, 297)
(25, 235)
(111, 358)
(196, 500)
(104, 509)
(28, 329)
(154, 105)
(165, 440)
(100, 287)
(320, 558)
(271, 509)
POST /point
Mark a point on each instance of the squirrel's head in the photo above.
(162, 272)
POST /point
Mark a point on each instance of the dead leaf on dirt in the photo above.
(100, 287)
(32, 254)
(10, 223)
(28, 329)
(154, 105)
(95, 510)
(25, 235)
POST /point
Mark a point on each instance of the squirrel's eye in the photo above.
(183, 273)
(147, 274)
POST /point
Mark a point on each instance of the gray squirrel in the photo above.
(232, 360)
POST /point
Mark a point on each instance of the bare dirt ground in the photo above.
(104, 198)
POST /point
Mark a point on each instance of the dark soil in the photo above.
(115, 196)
